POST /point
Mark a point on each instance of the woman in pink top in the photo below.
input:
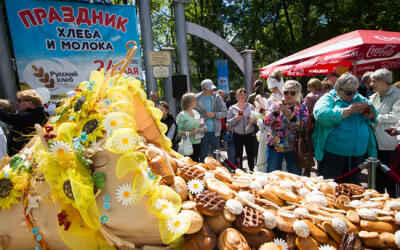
(315, 91)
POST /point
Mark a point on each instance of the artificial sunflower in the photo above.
(12, 186)
(92, 127)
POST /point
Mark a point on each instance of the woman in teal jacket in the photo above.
(343, 137)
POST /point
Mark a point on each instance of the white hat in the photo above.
(207, 84)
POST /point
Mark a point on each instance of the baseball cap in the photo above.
(207, 84)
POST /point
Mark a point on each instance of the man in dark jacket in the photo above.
(30, 112)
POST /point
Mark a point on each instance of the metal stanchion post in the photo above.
(373, 163)
(218, 155)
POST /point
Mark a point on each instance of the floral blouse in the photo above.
(282, 133)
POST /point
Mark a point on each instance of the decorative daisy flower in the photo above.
(124, 194)
(281, 243)
(123, 140)
(61, 148)
(195, 186)
(178, 224)
(164, 205)
(104, 218)
(326, 247)
(311, 185)
(113, 121)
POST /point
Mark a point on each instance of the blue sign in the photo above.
(57, 44)
(222, 75)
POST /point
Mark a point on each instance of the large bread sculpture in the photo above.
(102, 175)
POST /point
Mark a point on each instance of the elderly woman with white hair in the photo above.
(386, 99)
(284, 119)
(343, 137)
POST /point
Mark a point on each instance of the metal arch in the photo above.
(217, 41)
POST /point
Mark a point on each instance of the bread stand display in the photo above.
(102, 175)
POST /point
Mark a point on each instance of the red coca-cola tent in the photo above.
(358, 51)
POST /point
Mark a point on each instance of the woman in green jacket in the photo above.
(189, 124)
(343, 137)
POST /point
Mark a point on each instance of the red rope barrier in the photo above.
(392, 175)
(350, 173)
(230, 164)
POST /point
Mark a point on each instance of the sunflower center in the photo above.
(5, 187)
(68, 190)
(60, 151)
(177, 223)
(125, 140)
(90, 126)
(113, 123)
(126, 194)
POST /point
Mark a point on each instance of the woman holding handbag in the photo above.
(285, 119)
(190, 125)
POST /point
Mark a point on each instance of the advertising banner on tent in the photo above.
(222, 74)
(57, 44)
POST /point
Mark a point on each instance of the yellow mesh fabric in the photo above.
(164, 195)
(130, 162)
(142, 185)
(79, 236)
(66, 131)
(123, 106)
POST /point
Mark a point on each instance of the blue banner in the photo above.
(222, 75)
(57, 44)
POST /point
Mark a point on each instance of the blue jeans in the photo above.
(230, 147)
(208, 142)
(274, 161)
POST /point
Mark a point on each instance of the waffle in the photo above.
(210, 203)
(190, 172)
(250, 221)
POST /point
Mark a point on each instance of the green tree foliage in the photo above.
(274, 28)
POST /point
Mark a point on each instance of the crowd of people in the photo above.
(349, 119)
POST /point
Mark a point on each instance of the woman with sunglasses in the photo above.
(343, 137)
(386, 99)
(284, 119)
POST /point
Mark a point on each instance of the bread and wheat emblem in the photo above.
(43, 77)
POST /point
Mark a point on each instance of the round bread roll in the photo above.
(326, 189)
(269, 246)
(307, 243)
(180, 187)
(188, 205)
(231, 239)
(256, 240)
(204, 239)
(229, 216)
(196, 221)
(211, 163)
(218, 223)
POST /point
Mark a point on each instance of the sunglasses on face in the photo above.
(292, 93)
(349, 93)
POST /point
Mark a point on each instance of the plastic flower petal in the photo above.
(178, 224)
(123, 140)
(113, 121)
(104, 218)
(282, 244)
(165, 206)
(325, 247)
(195, 186)
(124, 194)
(60, 148)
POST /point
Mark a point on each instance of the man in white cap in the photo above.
(212, 109)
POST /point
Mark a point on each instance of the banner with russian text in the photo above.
(57, 44)
(222, 75)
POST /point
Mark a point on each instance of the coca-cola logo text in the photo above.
(387, 39)
(386, 51)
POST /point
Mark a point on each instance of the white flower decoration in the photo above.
(282, 244)
(177, 224)
(60, 147)
(124, 194)
(113, 121)
(301, 228)
(164, 205)
(311, 185)
(326, 247)
(303, 191)
(270, 220)
(125, 142)
(195, 186)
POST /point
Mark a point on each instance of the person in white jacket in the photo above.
(386, 100)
